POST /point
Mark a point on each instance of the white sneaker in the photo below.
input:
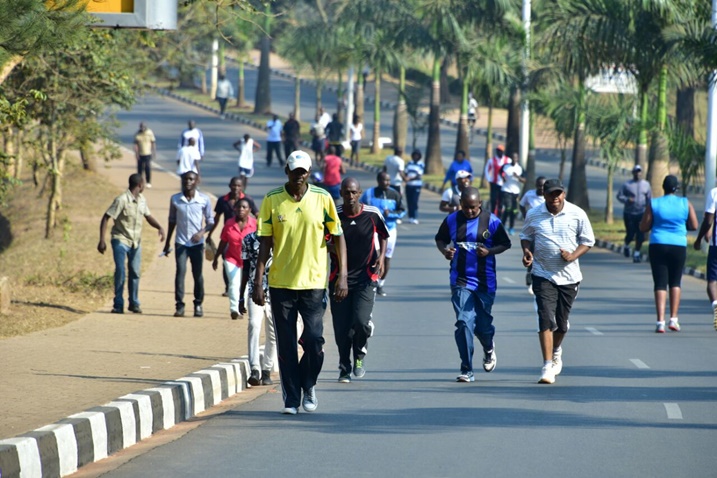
(310, 401)
(489, 360)
(660, 328)
(290, 411)
(148, 185)
(674, 325)
(557, 362)
(547, 375)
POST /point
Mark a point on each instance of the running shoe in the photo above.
(674, 325)
(660, 329)
(547, 375)
(714, 313)
(557, 361)
(380, 291)
(345, 378)
(359, 371)
(637, 257)
(255, 378)
(310, 402)
(290, 411)
(489, 360)
(465, 377)
(626, 251)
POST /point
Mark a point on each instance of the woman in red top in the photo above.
(333, 169)
(235, 229)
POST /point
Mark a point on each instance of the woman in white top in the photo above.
(246, 147)
(356, 129)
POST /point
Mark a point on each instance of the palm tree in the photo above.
(262, 98)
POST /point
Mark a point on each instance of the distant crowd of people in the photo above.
(321, 240)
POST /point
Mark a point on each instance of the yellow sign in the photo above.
(110, 6)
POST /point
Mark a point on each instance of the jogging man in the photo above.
(634, 194)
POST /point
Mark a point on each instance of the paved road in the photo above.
(629, 402)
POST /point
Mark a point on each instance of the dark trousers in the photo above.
(632, 230)
(144, 165)
(271, 148)
(222, 104)
(290, 147)
(286, 305)
(351, 329)
(510, 205)
(412, 195)
(494, 198)
(195, 254)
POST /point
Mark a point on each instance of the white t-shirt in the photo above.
(710, 206)
(511, 184)
(356, 130)
(325, 119)
(225, 89)
(394, 165)
(187, 155)
(472, 106)
(274, 130)
(449, 195)
(530, 200)
(246, 155)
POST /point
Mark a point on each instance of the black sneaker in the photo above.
(637, 257)
(380, 291)
(234, 315)
(179, 312)
(626, 251)
(134, 309)
(117, 310)
(266, 377)
(489, 360)
(198, 312)
(254, 378)
(345, 378)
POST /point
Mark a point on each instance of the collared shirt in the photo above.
(233, 236)
(187, 214)
(144, 140)
(565, 230)
(273, 131)
(195, 133)
(639, 191)
(128, 213)
(225, 206)
(297, 228)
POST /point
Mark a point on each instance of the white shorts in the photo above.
(390, 242)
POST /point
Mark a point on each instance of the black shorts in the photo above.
(712, 264)
(554, 303)
(667, 262)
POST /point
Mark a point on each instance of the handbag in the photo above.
(210, 251)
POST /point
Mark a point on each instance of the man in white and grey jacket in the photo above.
(634, 194)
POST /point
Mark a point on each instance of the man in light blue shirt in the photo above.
(273, 140)
(188, 211)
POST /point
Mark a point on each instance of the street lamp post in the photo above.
(711, 149)
(525, 105)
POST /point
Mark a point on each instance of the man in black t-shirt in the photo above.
(352, 316)
(335, 134)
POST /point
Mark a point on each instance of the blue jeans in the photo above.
(133, 256)
(472, 317)
(412, 195)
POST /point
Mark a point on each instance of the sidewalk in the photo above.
(52, 374)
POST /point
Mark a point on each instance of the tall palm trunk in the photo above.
(57, 166)
(609, 219)
(340, 95)
(262, 99)
(376, 147)
(400, 117)
(434, 161)
(241, 100)
(578, 185)
(641, 147)
(512, 141)
(488, 141)
(659, 159)
(359, 97)
(530, 163)
(319, 92)
(462, 136)
(297, 98)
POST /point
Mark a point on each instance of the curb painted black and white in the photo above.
(61, 448)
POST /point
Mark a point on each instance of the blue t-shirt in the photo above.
(669, 220)
(467, 268)
(387, 200)
(455, 167)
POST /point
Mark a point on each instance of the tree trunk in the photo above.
(578, 186)
(641, 147)
(488, 142)
(339, 95)
(400, 117)
(319, 92)
(262, 99)
(530, 163)
(434, 160)
(445, 85)
(55, 188)
(203, 86)
(241, 100)
(297, 98)
(685, 110)
(563, 158)
(19, 151)
(359, 98)
(8, 66)
(512, 143)
(9, 143)
(659, 158)
(609, 200)
(89, 162)
(376, 147)
(214, 73)
(462, 136)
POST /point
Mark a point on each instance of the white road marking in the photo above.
(593, 331)
(508, 280)
(673, 411)
(639, 363)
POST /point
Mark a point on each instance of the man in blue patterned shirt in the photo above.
(471, 238)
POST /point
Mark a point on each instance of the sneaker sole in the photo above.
(290, 411)
(465, 380)
(674, 329)
(548, 381)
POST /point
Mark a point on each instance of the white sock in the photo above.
(674, 319)
(557, 351)
(381, 282)
(547, 362)
(714, 304)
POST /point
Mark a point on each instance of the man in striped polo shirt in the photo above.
(477, 236)
(560, 233)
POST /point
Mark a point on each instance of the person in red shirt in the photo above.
(333, 169)
(235, 229)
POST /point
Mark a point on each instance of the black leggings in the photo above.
(667, 262)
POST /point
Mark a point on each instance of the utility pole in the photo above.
(525, 105)
(350, 102)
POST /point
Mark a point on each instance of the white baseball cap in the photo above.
(460, 174)
(299, 159)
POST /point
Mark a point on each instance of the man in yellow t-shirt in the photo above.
(145, 149)
(292, 222)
